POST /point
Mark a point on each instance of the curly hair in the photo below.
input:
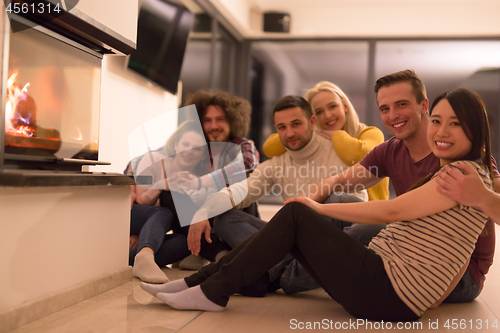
(236, 109)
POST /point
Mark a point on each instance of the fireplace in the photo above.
(52, 102)
(51, 84)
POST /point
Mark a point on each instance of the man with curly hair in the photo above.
(224, 118)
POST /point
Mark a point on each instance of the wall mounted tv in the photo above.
(162, 35)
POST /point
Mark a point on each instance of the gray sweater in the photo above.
(290, 175)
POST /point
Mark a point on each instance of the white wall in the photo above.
(238, 12)
(127, 101)
(368, 18)
(394, 18)
(56, 238)
(114, 14)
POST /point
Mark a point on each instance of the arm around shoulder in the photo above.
(352, 150)
(491, 204)
(466, 187)
(273, 146)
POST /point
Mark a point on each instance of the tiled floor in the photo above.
(129, 309)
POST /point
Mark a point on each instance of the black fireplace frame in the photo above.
(83, 32)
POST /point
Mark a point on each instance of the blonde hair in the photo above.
(352, 125)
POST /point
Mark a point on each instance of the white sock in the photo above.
(169, 287)
(146, 269)
(190, 299)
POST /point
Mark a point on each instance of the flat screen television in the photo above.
(162, 35)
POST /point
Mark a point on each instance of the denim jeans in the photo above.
(466, 290)
(151, 223)
(235, 226)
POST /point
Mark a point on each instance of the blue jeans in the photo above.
(466, 290)
(235, 226)
(151, 223)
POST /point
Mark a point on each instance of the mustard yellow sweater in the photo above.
(350, 150)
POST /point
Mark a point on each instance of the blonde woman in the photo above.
(337, 120)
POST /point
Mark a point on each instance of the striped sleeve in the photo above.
(422, 256)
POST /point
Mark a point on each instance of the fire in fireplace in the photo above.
(21, 129)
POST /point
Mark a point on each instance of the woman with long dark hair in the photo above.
(184, 152)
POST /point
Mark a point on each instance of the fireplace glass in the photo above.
(53, 97)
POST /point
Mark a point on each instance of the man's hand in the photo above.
(306, 201)
(133, 242)
(194, 235)
(467, 189)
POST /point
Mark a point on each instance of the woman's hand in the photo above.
(182, 179)
(308, 202)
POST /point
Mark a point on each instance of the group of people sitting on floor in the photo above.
(380, 259)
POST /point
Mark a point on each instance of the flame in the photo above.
(14, 96)
(12, 79)
(80, 136)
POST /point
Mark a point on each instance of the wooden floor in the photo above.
(129, 309)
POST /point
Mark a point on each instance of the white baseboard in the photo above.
(45, 306)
